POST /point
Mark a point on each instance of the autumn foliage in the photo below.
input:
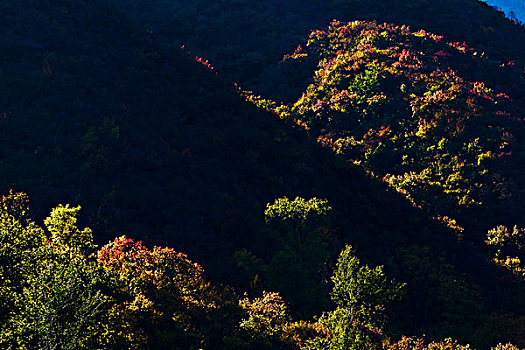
(400, 103)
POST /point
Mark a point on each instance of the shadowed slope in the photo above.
(97, 112)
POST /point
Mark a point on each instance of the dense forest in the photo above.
(245, 174)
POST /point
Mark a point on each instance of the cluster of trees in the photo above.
(98, 107)
(400, 103)
(59, 290)
(414, 111)
(408, 107)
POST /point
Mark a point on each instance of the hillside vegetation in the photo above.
(363, 196)
(247, 39)
(408, 107)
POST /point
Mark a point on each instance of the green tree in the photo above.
(64, 232)
(302, 227)
(361, 293)
(296, 217)
(53, 295)
(18, 254)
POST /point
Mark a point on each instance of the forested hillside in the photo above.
(247, 39)
(336, 184)
(429, 117)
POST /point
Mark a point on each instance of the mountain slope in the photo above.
(247, 39)
(408, 107)
(98, 111)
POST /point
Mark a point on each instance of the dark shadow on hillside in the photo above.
(153, 145)
(246, 39)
